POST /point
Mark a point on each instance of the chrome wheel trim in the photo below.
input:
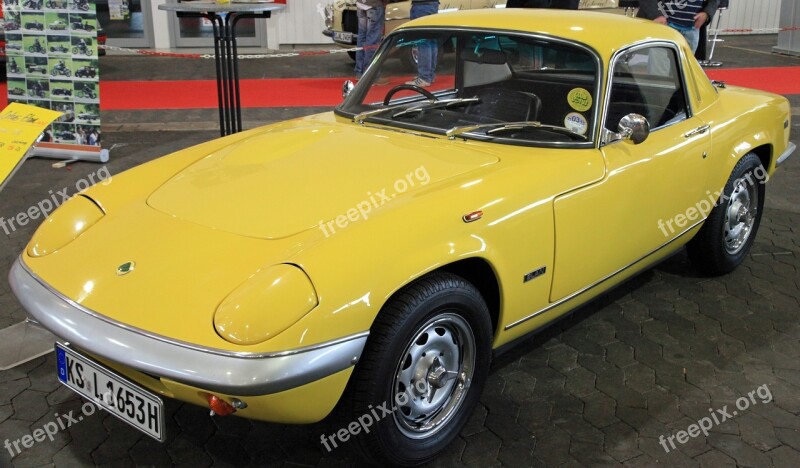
(740, 216)
(433, 375)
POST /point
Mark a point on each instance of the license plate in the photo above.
(343, 36)
(124, 399)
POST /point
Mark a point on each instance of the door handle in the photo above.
(697, 131)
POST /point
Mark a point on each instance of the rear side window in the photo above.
(647, 81)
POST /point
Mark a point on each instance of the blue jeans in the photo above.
(370, 31)
(428, 49)
(691, 34)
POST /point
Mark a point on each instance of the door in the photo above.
(652, 191)
(126, 22)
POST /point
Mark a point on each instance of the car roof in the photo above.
(604, 32)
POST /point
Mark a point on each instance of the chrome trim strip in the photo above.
(184, 344)
(598, 282)
(238, 374)
(783, 157)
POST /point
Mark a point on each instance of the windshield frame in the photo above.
(354, 100)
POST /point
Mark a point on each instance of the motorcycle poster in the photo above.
(52, 63)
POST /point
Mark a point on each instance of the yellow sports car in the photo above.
(378, 256)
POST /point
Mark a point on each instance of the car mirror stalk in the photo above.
(632, 127)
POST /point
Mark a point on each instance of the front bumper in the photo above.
(332, 34)
(783, 157)
(215, 370)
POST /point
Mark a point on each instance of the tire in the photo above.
(352, 55)
(730, 229)
(410, 59)
(441, 315)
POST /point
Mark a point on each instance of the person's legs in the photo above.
(424, 70)
(375, 20)
(692, 37)
(361, 38)
(427, 49)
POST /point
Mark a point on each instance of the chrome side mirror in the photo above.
(634, 127)
(347, 87)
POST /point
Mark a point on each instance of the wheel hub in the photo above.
(740, 216)
(434, 374)
(438, 375)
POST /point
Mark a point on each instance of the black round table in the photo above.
(223, 17)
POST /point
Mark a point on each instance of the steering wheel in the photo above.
(407, 87)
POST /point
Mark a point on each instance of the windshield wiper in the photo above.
(425, 105)
(502, 127)
(359, 118)
(443, 104)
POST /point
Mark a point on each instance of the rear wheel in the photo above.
(730, 230)
(410, 59)
(422, 371)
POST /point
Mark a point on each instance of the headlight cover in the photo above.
(68, 222)
(268, 303)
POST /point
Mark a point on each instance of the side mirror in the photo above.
(347, 87)
(634, 127)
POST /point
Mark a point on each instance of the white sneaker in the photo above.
(419, 82)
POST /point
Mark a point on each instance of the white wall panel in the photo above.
(301, 23)
(750, 17)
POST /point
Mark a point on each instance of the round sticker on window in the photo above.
(580, 99)
(576, 122)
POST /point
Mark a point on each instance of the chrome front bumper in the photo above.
(783, 157)
(216, 370)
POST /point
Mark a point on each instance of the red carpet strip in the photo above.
(307, 92)
(780, 80)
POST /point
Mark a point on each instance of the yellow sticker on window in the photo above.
(580, 99)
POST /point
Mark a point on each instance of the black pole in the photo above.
(220, 98)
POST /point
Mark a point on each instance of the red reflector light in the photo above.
(474, 216)
(219, 406)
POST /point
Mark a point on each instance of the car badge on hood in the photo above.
(125, 268)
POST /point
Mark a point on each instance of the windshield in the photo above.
(482, 83)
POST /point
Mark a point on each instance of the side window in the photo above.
(647, 81)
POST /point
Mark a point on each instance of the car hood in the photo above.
(305, 173)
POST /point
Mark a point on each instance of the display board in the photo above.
(20, 127)
(52, 63)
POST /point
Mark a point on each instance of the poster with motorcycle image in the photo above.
(52, 62)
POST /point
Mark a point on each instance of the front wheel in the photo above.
(730, 230)
(422, 371)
